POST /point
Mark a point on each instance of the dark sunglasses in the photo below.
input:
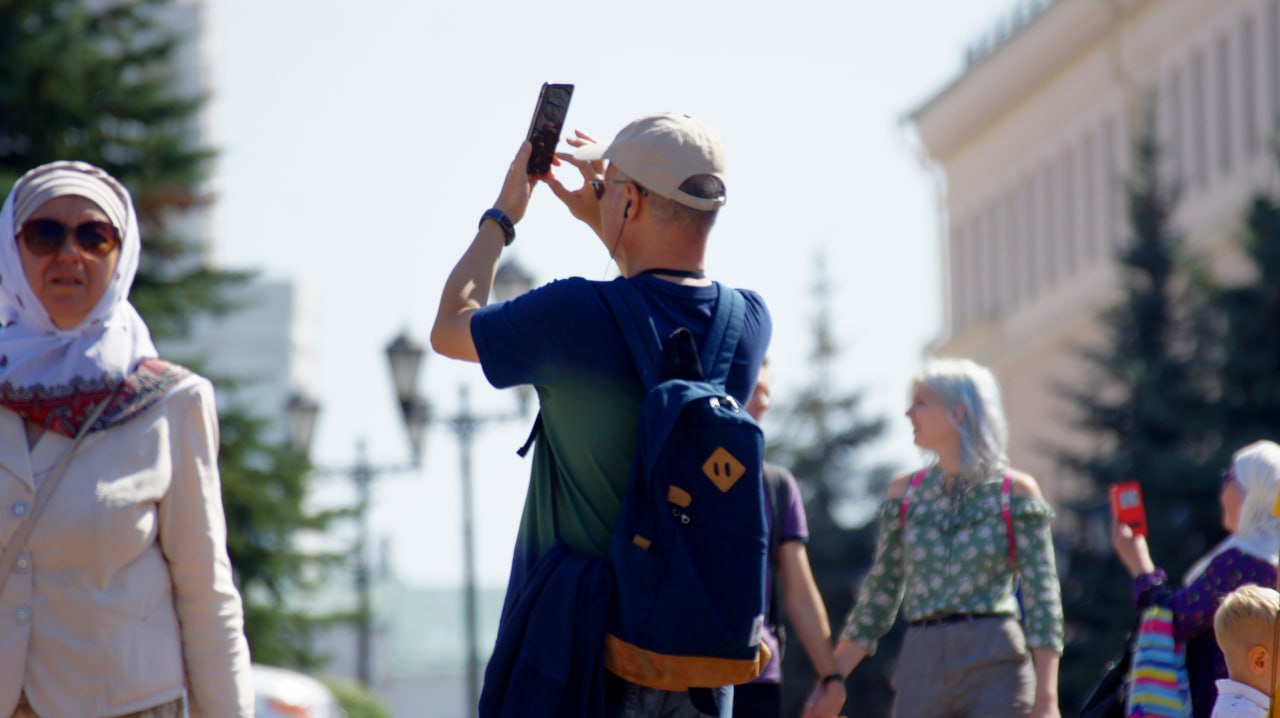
(599, 185)
(44, 237)
(1228, 475)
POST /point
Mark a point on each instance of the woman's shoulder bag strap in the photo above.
(18, 541)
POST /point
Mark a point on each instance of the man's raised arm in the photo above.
(468, 286)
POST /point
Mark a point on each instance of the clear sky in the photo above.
(361, 140)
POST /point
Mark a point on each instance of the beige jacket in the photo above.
(125, 592)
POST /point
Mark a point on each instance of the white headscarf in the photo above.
(1257, 470)
(35, 355)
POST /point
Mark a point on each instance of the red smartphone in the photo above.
(1126, 506)
(544, 128)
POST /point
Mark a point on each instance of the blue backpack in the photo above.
(690, 545)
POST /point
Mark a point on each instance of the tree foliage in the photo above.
(822, 436)
(1248, 314)
(356, 701)
(1147, 401)
(96, 82)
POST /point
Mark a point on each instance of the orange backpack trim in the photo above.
(678, 673)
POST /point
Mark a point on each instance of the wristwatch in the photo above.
(503, 221)
(831, 678)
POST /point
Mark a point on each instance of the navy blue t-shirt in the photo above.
(562, 338)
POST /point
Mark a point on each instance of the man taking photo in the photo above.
(651, 196)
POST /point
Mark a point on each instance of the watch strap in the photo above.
(503, 221)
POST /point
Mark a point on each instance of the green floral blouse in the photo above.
(954, 558)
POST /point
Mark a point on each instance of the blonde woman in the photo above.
(946, 559)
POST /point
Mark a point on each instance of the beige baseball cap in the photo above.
(662, 151)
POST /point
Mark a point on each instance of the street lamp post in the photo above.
(405, 357)
(510, 281)
(464, 425)
(362, 477)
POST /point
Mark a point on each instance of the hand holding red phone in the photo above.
(1127, 508)
(1129, 528)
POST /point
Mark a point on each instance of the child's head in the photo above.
(1243, 626)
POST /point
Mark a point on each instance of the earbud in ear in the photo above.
(626, 210)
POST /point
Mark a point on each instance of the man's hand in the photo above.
(825, 701)
(468, 285)
(582, 202)
(517, 188)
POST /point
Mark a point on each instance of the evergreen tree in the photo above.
(1249, 355)
(264, 486)
(1146, 402)
(93, 83)
(821, 437)
(96, 85)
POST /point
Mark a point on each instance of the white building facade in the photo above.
(1031, 145)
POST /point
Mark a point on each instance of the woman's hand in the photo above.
(582, 202)
(825, 701)
(1132, 550)
(1045, 709)
(1046, 662)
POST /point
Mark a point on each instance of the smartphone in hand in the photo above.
(548, 121)
(1126, 506)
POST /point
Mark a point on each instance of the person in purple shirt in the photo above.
(1248, 555)
(789, 567)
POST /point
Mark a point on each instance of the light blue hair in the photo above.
(971, 396)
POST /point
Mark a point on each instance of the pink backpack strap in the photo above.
(906, 497)
(1006, 512)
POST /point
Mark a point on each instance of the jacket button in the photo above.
(20, 509)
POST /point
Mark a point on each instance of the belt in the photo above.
(952, 618)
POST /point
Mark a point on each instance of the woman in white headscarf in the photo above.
(119, 600)
(1248, 555)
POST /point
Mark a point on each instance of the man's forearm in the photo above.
(805, 609)
(466, 290)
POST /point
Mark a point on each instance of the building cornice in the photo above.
(1009, 74)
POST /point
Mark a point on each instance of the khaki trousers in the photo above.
(973, 668)
(172, 709)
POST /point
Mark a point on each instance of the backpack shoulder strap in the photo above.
(1006, 512)
(906, 497)
(645, 343)
(726, 330)
(637, 327)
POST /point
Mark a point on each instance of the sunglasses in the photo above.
(45, 237)
(1228, 475)
(599, 185)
